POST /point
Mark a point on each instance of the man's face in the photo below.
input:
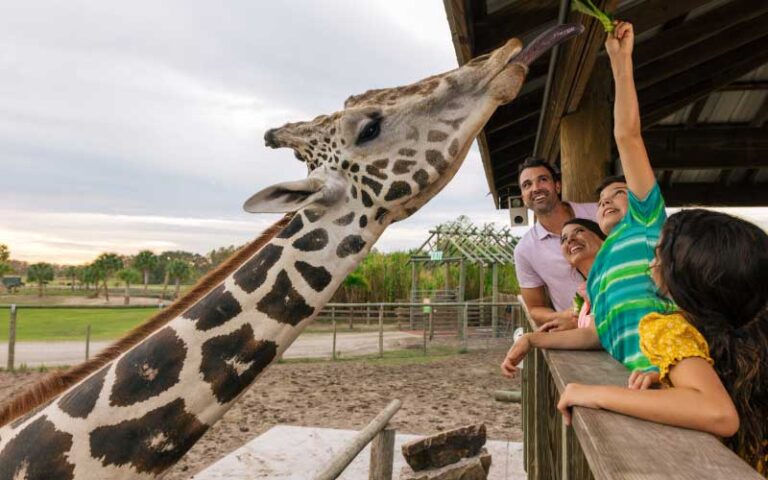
(539, 190)
(612, 206)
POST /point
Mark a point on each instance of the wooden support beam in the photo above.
(695, 113)
(703, 137)
(762, 115)
(754, 85)
(708, 194)
(729, 40)
(572, 72)
(670, 95)
(512, 136)
(705, 26)
(585, 140)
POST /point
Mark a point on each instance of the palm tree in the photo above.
(129, 276)
(71, 273)
(145, 261)
(41, 273)
(106, 264)
(178, 270)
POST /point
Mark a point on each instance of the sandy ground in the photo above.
(438, 395)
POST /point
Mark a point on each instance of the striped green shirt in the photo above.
(620, 286)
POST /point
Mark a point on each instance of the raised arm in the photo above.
(626, 113)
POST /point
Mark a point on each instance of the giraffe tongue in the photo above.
(545, 41)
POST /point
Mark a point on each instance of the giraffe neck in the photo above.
(139, 414)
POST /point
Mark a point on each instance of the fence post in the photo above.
(87, 342)
(431, 327)
(12, 338)
(382, 455)
(351, 314)
(465, 329)
(381, 331)
(426, 328)
(367, 314)
(333, 321)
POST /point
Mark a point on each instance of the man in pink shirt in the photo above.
(547, 282)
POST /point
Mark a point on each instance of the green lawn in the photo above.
(57, 324)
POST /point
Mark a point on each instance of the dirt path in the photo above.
(437, 395)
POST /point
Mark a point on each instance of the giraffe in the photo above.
(134, 411)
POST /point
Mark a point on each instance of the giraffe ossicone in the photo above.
(134, 411)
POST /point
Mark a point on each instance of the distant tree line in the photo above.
(380, 277)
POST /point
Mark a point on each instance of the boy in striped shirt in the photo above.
(631, 212)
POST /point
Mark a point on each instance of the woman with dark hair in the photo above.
(712, 352)
(580, 240)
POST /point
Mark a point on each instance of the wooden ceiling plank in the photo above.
(666, 97)
(755, 85)
(648, 14)
(729, 40)
(707, 194)
(735, 137)
(696, 30)
(462, 42)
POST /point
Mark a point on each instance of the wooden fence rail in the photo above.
(604, 445)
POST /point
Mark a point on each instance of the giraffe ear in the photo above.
(325, 188)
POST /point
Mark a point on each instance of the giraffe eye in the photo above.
(370, 131)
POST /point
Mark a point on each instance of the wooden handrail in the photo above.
(345, 457)
(608, 445)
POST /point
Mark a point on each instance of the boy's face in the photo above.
(612, 206)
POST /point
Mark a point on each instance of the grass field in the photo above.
(42, 324)
(62, 324)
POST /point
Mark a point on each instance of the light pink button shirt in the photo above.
(539, 261)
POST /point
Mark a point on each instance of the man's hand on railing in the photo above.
(642, 380)
(565, 320)
(515, 355)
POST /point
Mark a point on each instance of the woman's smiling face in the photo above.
(579, 243)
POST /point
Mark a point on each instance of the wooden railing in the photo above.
(604, 445)
(382, 448)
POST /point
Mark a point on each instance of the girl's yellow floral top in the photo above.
(668, 339)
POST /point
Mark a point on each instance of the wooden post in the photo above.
(382, 455)
(462, 280)
(447, 282)
(481, 310)
(585, 139)
(12, 338)
(431, 326)
(333, 320)
(381, 331)
(343, 459)
(351, 314)
(87, 342)
(425, 330)
(414, 288)
(495, 300)
(465, 329)
(367, 314)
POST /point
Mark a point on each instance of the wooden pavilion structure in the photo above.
(701, 70)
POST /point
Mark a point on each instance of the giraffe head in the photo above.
(391, 150)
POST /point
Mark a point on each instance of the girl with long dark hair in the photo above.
(712, 353)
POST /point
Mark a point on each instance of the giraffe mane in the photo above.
(40, 393)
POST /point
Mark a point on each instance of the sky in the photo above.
(139, 125)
